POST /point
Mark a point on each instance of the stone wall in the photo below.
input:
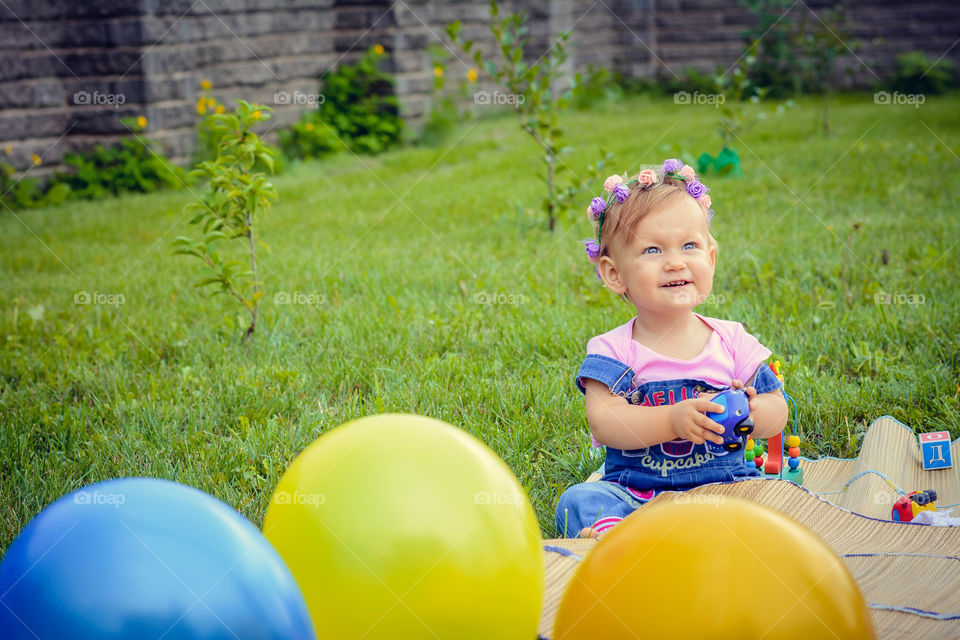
(69, 70)
(878, 30)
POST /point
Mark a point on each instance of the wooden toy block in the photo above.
(935, 450)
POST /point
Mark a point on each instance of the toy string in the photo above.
(796, 421)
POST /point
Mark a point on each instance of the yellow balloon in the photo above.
(710, 567)
(401, 526)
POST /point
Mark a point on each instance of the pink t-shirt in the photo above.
(730, 353)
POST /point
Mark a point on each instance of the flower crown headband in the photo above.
(617, 190)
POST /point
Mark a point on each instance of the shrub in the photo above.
(309, 138)
(360, 106)
(916, 73)
(132, 165)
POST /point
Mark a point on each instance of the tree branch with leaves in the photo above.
(235, 198)
(537, 92)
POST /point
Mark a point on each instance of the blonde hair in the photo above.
(621, 218)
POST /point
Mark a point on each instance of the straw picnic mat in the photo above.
(908, 573)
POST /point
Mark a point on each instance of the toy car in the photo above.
(913, 503)
(735, 417)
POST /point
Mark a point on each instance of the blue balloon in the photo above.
(142, 558)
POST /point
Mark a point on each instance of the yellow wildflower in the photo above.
(201, 108)
(472, 75)
(37, 160)
(256, 114)
(378, 49)
(205, 84)
(141, 122)
(8, 149)
(220, 108)
(308, 126)
(438, 71)
(211, 103)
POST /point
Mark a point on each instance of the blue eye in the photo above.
(651, 250)
(691, 245)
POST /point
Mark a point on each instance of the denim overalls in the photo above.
(633, 477)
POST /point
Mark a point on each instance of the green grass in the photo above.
(395, 250)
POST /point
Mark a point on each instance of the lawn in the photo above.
(412, 282)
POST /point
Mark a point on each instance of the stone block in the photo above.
(413, 106)
(176, 145)
(127, 32)
(25, 124)
(27, 65)
(83, 33)
(415, 83)
(164, 88)
(418, 39)
(28, 10)
(366, 17)
(16, 36)
(103, 62)
(355, 41)
(105, 93)
(407, 61)
(171, 116)
(297, 67)
(106, 121)
(249, 72)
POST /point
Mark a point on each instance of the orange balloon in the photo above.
(709, 566)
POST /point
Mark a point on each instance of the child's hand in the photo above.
(750, 391)
(689, 422)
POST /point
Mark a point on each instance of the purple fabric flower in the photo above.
(672, 165)
(696, 189)
(620, 192)
(593, 249)
(597, 205)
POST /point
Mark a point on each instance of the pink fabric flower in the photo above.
(705, 201)
(688, 173)
(612, 182)
(647, 178)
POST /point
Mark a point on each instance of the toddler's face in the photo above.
(665, 266)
